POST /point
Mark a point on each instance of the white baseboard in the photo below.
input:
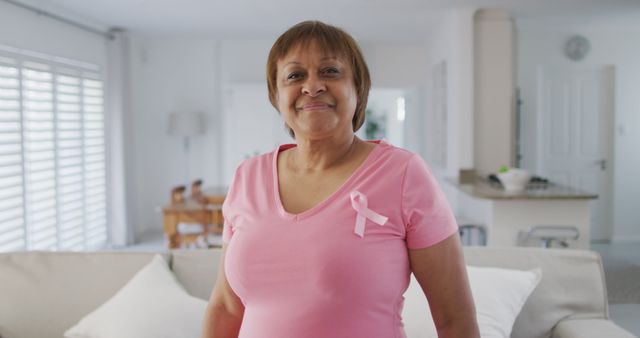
(625, 239)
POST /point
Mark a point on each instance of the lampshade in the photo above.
(186, 124)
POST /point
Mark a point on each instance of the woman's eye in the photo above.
(331, 70)
(294, 76)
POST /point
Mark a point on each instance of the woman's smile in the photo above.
(312, 106)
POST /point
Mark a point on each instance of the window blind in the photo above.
(52, 156)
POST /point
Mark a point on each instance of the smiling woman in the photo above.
(322, 235)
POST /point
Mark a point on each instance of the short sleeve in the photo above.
(427, 214)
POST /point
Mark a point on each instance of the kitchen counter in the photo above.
(482, 188)
(508, 217)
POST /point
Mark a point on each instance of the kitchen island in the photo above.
(509, 218)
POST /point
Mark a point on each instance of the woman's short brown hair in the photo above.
(335, 41)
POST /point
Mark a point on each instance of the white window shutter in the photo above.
(95, 166)
(12, 223)
(52, 156)
(70, 160)
(40, 155)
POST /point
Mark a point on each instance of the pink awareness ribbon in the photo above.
(359, 203)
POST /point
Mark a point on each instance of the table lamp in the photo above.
(186, 125)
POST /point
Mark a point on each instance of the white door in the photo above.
(251, 125)
(575, 112)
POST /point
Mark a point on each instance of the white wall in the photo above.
(25, 29)
(452, 41)
(170, 75)
(244, 61)
(395, 65)
(541, 43)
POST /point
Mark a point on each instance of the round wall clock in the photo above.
(577, 47)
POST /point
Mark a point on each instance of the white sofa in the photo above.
(44, 293)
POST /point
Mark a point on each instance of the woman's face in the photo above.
(316, 93)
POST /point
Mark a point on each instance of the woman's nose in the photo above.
(313, 86)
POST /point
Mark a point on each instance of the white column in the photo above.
(494, 128)
(118, 108)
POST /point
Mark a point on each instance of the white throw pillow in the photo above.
(499, 295)
(151, 304)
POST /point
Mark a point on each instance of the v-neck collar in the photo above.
(318, 207)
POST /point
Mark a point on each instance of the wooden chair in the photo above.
(196, 188)
(177, 194)
(189, 220)
(186, 220)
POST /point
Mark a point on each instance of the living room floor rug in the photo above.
(623, 282)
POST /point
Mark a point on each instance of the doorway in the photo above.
(575, 112)
(385, 116)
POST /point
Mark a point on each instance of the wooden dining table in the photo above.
(204, 209)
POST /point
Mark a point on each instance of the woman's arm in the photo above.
(440, 271)
(225, 310)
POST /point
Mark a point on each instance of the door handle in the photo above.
(602, 163)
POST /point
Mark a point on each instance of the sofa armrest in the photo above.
(586, 328)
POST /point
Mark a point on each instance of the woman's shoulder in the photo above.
(252, 172)
(401, 160)
(394, 153)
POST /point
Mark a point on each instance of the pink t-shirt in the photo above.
(318, 274)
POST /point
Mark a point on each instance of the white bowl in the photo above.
(515, 180)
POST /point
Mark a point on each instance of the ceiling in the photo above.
(380, 20)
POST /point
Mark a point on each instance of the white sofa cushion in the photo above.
(151, 304)
(43, 293)
(572, 285)
(196, 270)
(499, 295)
